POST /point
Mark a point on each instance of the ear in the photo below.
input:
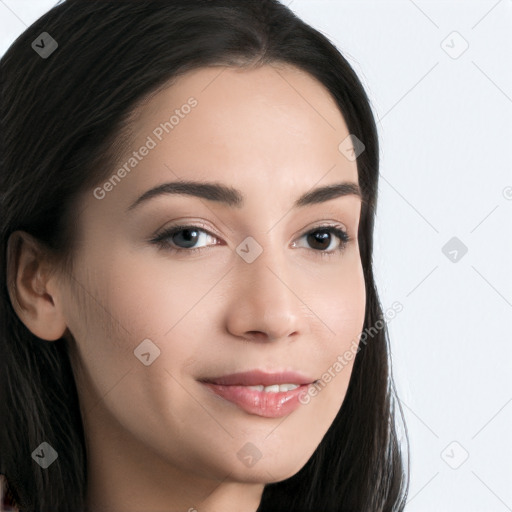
(33, 287)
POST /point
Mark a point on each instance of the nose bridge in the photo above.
(264, 300)
(267, 267)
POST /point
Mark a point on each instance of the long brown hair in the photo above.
(61, 121)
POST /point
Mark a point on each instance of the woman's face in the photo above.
(257, 285)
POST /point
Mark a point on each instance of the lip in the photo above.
(260, 403)
(260, 377)
(233, 388)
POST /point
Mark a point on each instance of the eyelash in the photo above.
(161, 239)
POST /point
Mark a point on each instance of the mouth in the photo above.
(269, 395)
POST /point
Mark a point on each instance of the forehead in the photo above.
(246, 113)
(273, 133)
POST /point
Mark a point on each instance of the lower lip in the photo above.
(260, 403)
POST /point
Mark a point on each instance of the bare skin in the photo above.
(157, 440)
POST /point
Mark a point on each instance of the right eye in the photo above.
(185, 235)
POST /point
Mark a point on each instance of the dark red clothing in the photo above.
(7, 503)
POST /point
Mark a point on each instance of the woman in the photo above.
(230, 370)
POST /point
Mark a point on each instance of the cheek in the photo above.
(341, 303)
(341, 308)
(127, 309)
(154, 296)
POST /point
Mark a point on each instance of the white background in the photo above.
(445, 123)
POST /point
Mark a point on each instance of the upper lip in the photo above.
(260, 377)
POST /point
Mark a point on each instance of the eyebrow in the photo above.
(229, 196)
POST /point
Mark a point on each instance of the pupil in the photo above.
(320, 236)
(190, 240)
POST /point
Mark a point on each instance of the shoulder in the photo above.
(7, 502)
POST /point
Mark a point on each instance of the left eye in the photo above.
(188, 236)
(321, 237)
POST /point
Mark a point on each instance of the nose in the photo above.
(266, 303)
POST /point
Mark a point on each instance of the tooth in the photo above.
(274, 388)
(257, 388)
(288, 387)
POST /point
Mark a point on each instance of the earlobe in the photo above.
(28, 280)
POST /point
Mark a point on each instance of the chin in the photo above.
(266, 472)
